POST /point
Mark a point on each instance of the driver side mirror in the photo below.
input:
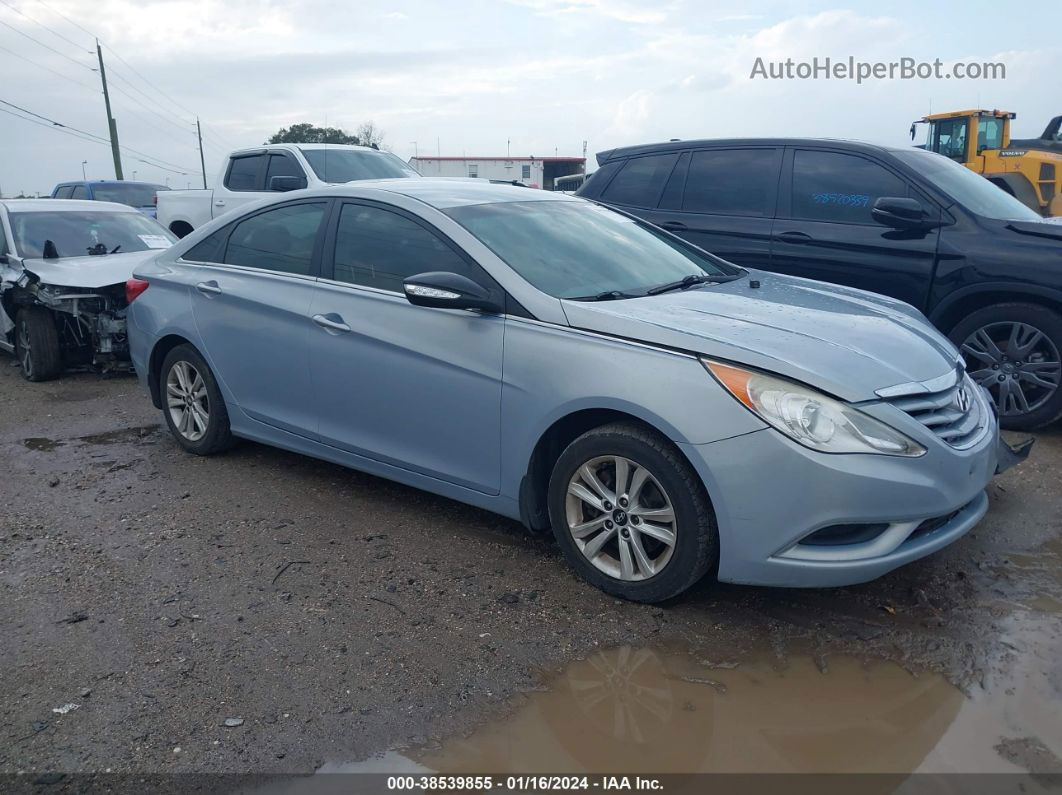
(284, 184)
(444, 290)
(901, 213)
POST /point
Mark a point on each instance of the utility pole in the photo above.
(112, 125)
(202, 162)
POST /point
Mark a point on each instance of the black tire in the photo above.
(216, 436)
(1045, 405)
(37, 344)
(696, 545)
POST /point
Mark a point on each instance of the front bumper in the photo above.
(769, 494)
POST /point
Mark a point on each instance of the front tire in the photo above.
(631, 515)
(192, 403)
(1014, 350)
(37, 344)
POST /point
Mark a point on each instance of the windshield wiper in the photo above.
(115, 249)
(608, 295)
(690, 281)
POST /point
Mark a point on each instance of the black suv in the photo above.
(903, 222)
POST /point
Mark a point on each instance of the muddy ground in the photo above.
(337, 615)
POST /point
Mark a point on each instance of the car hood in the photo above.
(91, 272)
(847, 342)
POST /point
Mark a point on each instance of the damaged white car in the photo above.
(63, 272)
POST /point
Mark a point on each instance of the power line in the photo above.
(48, 68)
(38, 22)
(45, 46)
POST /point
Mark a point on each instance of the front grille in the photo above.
(956, 419)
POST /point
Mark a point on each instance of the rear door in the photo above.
(251, 285)
(411, 386)
(825, 229)
(723, 200)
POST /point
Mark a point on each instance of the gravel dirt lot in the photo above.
(338, 615)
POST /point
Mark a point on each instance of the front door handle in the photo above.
(797, 238)
(208, 288)
(219, 203)
(674, 226)
(332, 323)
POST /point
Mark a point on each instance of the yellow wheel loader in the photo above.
(1030, 169)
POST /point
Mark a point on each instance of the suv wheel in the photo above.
(631, 515)
(1015, 351)
(192, 404)
(37, 344)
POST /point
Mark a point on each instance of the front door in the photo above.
(825, 229)
(414, 387)
(252, 310)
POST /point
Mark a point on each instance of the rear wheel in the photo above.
(37, 344)
(192, 404)
(1014, 350)
(631, 515)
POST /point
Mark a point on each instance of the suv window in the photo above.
(283, 166)
(64, 192)
(732, 182)
(379, 248)
(79, 192)
(243, 173)
(280, 239)
(831, 186)
(641, 180)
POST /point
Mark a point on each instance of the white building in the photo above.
(535, 172)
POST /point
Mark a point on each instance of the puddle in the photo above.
(641, 710)
(136, 434)
(42, 444)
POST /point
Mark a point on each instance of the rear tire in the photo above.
(192, 404)
(37, 344)
(1017, 370)
(649, 540)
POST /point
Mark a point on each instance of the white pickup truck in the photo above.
(250, 174)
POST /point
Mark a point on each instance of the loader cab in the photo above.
(966, 135)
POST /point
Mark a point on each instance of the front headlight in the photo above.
(809, 417)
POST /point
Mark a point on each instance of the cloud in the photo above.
(619, 10)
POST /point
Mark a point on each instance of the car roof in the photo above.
(674, 146)
(444, 193)
(254, 150)
(63, 205)
(108, 182)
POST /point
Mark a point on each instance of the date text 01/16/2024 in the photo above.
(529, 783)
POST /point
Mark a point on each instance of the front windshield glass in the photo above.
(81, 232)
(348, 165)
(973, 191)
(577, 249)
(131, 193)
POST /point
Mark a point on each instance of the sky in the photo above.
(483, 77)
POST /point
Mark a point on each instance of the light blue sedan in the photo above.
(665, 413)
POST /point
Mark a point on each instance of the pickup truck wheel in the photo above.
(192, 403)
(37, 344)
(631, 515)
(1014, 350)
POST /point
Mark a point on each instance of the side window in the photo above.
(989, 134)
(210, 248)
(65, 192)
(283, 166)
(378, 248)
(281, 239)
(243, 173)
(948, 137)
(525, 172)
(641, 180)
(830, 186)
(79, 192)
(732, 182)
(595, 182)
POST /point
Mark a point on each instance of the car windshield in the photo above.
(348, 165)
(973, 191)
(75, 233)
(131, 193)
(577, 249)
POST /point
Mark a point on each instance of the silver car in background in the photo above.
(665, 413)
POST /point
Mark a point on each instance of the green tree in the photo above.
(305, 133)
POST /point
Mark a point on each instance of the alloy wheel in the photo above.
(620, 518)
(1017, 363)
(24, 352)
(187, 401)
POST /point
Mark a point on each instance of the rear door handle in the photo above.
(674, 226)
(795, 237)
(208, 288)
(332, 323)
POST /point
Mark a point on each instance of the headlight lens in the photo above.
(810, 417)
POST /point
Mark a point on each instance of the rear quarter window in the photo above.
(641, 181)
